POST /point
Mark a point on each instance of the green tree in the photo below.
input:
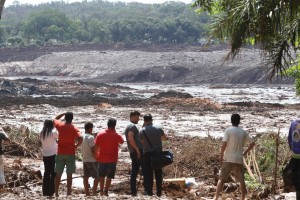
(50, 24)
(272, 25)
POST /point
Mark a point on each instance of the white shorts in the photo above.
(2, 177)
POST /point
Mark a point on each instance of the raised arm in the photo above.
(60, 116)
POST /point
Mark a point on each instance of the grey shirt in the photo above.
(154, 133)
(132, 127)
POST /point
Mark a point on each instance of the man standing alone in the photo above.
(69, 138)
(232, 154)
(135, 148)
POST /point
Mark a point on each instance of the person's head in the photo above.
(111, 124)
(47, 128)
(135, 116)
(148, 119)
(88, 127)
(69, 117)
(235, 119)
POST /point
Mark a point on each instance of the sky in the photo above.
(35, 2)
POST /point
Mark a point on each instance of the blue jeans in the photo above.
(136, 164)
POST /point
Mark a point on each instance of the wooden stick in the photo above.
(248, 169)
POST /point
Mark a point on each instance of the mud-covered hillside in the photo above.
(119, 63)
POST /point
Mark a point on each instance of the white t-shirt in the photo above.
(87, 143)
(49, 145)
(236, 138)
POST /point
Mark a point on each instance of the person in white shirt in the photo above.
(49, 150)
(232, 152)
(90, 166)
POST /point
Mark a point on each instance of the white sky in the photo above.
(34, 2)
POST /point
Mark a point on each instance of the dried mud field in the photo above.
(193, 116)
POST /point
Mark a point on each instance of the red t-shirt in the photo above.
(108, 141)
(67, 133)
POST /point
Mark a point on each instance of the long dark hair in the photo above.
(47, 129)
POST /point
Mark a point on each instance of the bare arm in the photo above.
(224, 144)
(78, 142)
(59, 116)
(163, 137)
(133, 143)
(251, 145)
(96, 150)
(93, 150)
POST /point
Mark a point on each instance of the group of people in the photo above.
(99, 153)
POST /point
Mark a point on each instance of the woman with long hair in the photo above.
(49, 147)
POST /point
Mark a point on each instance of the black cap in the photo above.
(148, 117)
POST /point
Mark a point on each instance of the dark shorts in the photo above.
(90, 169)
(107, 170)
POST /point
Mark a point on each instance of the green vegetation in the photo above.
(100, 22)
(272, 25)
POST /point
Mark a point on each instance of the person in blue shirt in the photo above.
(294, 144)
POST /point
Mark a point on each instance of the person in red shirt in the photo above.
(69, 138)
(107, 146)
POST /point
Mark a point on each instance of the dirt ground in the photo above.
(137, 63)
(38, 84)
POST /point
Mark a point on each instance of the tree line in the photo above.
(101, 22)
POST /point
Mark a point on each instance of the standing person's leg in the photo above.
(46, 178)
(86, 176)
(225, 172)
(52, 175)
(57, 182)
(71, 168)
(141, 161)
(296, 176)
(102, 175)
(69, 183)
(238, 171)
(135, 166)
(110, 173)
(148, 172)
(95, 175)
(101, 180)
(86, 185)
(95, 185)
(107, 186)
(60, 163)
(159, 180)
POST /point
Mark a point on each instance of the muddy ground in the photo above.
(38, 84)
(193, 124)
(137, 63)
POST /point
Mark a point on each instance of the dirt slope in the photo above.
(118, 64)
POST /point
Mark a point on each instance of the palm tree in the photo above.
(273, 25)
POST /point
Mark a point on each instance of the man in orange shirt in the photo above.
(107, 146)
(69, 138)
